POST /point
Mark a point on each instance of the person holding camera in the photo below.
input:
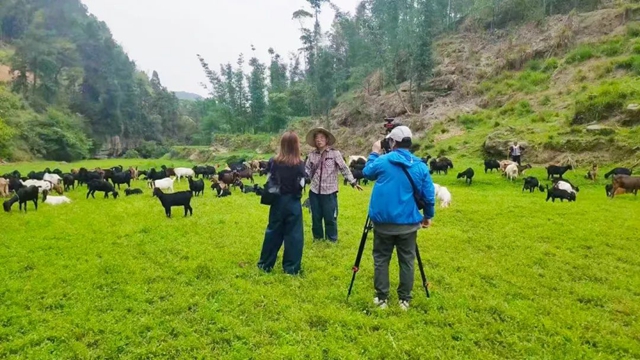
(322, 166)
(285, 211)
(403, 187)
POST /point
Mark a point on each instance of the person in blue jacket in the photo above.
(394, 211)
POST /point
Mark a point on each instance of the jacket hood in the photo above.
(403, 157)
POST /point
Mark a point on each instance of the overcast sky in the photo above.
(166, 35)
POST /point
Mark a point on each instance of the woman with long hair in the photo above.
(285, 213)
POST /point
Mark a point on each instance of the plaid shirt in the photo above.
(323, 171)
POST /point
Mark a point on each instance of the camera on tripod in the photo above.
(388, 127)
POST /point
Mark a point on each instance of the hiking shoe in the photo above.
(404, 305)
(381, 304)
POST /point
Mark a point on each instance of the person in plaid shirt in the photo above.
(322, 166)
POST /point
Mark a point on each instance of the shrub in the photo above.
(631, 63)
(602, 102)
(523, 108)
(633, 29)
(470, 121)
(550, 65)
(152, 150)
(131, 154)
(612, 48)
(580, 54)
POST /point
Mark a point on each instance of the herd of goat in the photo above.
(108, 181)
(43, 183)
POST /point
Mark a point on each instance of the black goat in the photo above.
(618, 171)
(555, 193)
(196, 187)
(22, 196)
(555, 181)
(204, 171)
(490, 165)
(554, 170)
(468, 175)
(15, 184)
(101, 185)
(129, 191)
(531, 183)
(69, 182)
(121, 178)
(36, 175)
(180, 198)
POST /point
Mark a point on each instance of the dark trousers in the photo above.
(324, 207)
(382, 251)
(516, 158)
(285, 226)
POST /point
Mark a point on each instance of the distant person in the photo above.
(394, 212)
(515, 152)
(322, 166)
(285, 214)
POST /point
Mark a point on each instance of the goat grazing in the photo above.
(490, 165)
(609, 189)
(531, 183)
(565, 185)
(618, 171)
(468, 175)
(512, 172)
(102, 186)
(555, 193)
(121, 178)
(554, 170)
(196, 187)
(183, 172)
(221, 189)
(630, 184)
(29, 193)
(442, 194)
(129, 192)
(180, 198)
(164, 184)
(44, 185)
(69, 182)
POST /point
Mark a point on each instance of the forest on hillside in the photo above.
(74, 88)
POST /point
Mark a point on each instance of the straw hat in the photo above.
(311, 136)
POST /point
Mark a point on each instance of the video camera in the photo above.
(388, 127)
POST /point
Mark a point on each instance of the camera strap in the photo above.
(416, 194)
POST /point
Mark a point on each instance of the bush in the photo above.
(631, 63)
(633, 29)
(602, 102)
(131, 154)
(470, 121)
(580, 54)
(550, 65)
(612, 48)
(58, 136)
(152, 150)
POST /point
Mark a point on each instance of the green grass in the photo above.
(512, 277)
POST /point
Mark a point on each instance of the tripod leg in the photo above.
(356, 266)
(425, 282)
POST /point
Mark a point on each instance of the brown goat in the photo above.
(629, 183)
(4, 187)
(245, 174)
(592, 174)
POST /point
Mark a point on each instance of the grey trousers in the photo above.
(382, 251)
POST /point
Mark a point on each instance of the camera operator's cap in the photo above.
(400, 133)
(311, 136)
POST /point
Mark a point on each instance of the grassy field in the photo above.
(512, 277)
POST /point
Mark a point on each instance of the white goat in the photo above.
(57, 200)
(55, 179)
(512, 172)
(164, 184)
(562, 185)
(183, 172)
(41, 184)
(443, 194)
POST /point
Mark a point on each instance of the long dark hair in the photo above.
(289, 153)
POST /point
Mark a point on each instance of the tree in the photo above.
(257, 94)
